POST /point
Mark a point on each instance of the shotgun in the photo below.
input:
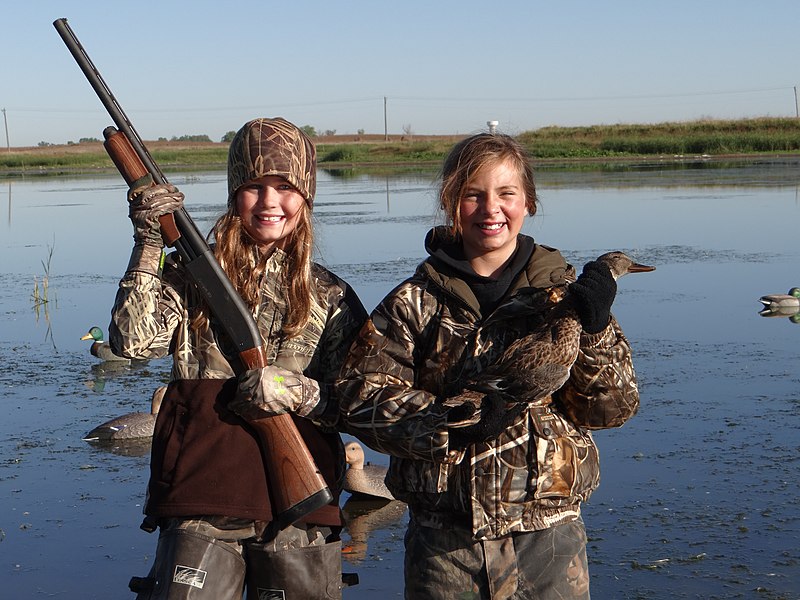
(297, 487)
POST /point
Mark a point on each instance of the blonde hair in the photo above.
(242, 261)
(467, 158)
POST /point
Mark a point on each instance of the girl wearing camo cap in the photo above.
(208, 492)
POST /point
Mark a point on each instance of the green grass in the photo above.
(748, 136)
(693, 138)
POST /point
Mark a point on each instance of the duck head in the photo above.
(95, 333)
(621, 264)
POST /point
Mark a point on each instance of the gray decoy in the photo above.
(100, 348)
(363, 478)
(781, 305)
(132, 426)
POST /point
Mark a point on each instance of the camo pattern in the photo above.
(402, 376)
(441, 564)
(152, 315)
(272, 147)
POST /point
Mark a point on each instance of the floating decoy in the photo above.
(362, 478)
(538, 363)
(132, 426)
(100, 348)
(781, 305)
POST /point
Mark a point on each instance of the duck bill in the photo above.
(640, 268)
(88, 336)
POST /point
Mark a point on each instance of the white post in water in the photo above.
(493, 126)
(5, 121)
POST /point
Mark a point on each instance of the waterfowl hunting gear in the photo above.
(296, 484)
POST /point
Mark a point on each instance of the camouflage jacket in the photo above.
(428, 335)
(152, 318)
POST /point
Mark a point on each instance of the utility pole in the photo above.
(385, 122)
(796, 109)
(8, 143)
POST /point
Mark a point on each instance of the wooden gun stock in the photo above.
(297, 487)
(131, 168)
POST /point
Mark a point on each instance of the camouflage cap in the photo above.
(272, 147)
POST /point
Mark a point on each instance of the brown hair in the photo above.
(469, 156)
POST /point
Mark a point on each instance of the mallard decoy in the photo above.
(100, 348)
(538, 364)
(132, 426)
(781, 305)
(364, 478)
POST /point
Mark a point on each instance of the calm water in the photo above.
(699, 497)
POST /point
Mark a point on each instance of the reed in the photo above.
(41, 294)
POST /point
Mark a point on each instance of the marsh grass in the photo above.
(703, 137)
(41, 293)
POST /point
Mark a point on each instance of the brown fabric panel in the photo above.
(205, 460)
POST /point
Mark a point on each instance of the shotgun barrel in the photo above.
(297, 487)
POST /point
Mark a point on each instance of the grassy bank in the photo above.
(691, 138)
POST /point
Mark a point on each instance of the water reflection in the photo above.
(697, 497)
(365, 518)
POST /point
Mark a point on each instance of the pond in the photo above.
(699, 494)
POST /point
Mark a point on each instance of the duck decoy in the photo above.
(538, 363)
(363, 478)
(132, 426)
(781, 305)
(100, 348)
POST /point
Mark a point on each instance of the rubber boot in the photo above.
(191, 565)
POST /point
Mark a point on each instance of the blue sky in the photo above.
(444, 67)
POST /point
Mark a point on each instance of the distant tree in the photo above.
(360, 132)
(88, 140)
(309, 131)
(44, 144)
(330, 132)
(228, 137)
(191, 138)
(162, 139)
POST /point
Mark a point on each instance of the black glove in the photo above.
(594, 293)
(496, 415)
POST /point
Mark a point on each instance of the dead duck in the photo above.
(100, 348)
(781, 305)
(132, 426)
(363, 478)
(537, 364)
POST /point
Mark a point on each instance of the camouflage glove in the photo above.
(495, 416)
(274, 391)
(594, 293)
(147, 202)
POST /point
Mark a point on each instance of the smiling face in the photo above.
(270, 209)
(492, 208)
